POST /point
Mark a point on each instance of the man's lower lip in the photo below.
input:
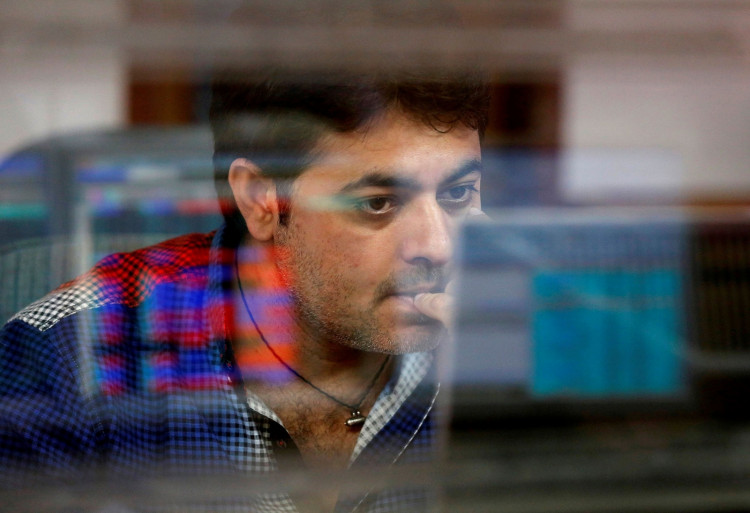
(403, 299)
(407, 314)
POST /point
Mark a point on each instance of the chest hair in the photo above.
(316, 424)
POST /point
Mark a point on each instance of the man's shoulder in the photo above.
(125, 279)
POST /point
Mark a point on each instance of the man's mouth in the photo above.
(413, 291)
(406, 286)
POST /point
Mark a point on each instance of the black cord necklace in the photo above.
(356, 419)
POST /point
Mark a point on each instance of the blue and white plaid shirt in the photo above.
(127, 372)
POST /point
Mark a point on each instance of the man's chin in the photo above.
(423, 334)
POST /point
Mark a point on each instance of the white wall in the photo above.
(693, 124)
(670, 122)
(51, 88)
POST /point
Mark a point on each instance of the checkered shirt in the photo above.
(127, 371)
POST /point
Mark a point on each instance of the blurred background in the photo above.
(622, 124)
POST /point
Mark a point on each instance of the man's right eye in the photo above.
(376, 205)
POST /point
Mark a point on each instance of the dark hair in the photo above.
(274, 118)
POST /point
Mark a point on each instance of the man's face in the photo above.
(371, 224)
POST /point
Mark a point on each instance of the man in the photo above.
(299, 335)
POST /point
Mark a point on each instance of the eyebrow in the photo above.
(472, 166)
(388, 180)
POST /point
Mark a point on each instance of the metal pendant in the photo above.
(357, 419)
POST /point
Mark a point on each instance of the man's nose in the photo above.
(428, 237)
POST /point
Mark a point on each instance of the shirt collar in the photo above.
(409, 374)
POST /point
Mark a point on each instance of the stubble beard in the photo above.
(321, 312)
(361, 330)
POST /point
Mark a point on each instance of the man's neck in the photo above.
(314, 396)
(265, 316)
(312, 384)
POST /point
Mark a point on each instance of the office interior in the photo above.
(601, 360)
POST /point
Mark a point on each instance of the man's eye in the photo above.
(457, 195)
(377, 205)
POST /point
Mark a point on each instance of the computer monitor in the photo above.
(573, 311)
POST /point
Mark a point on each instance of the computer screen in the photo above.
(577, 307)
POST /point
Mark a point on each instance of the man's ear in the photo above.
(256, 198)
